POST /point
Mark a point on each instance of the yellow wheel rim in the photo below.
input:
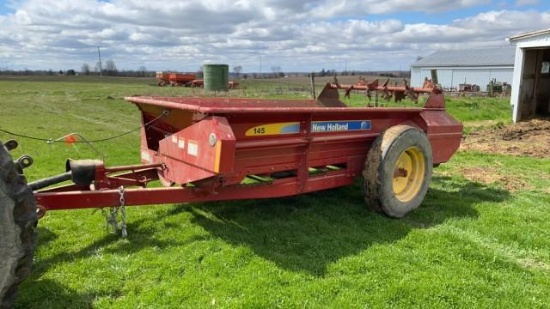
(408, 175)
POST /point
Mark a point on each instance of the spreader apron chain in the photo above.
(111, 221)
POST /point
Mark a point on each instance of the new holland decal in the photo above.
(316, 126)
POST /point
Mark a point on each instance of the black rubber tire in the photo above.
(18, 222)
(380, 170)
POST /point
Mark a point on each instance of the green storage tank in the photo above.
(216, 77)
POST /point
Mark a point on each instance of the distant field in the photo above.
(480, 239)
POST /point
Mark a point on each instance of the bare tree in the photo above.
(85, 69)
(110, 68)
(142, 71)
(237, 70)
(276, 72)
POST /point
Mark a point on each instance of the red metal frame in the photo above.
(212, 147)
(373, 86)
(181, 78)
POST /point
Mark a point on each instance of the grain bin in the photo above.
(216, 77)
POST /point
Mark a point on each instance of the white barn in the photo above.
(530, 95)
(472, 66)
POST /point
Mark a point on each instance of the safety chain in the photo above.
(122, 213)
(111, 221)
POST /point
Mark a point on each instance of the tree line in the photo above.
(109, 68)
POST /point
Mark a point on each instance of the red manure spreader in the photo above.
(211, 149)
(174, 79)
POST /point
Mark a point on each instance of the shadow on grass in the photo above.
(50, 294)
(45, 293)
(306, 233)
(110, 243)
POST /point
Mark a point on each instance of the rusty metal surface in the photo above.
(387, 91)
(374, 86)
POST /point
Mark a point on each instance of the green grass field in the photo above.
(476, 245)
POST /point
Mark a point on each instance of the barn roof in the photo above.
(528, 35)
(502, 56)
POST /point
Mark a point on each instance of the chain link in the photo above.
(111, 222)
(123, 229)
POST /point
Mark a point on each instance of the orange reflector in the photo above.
(71, 139)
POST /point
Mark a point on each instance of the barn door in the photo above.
(534, 90)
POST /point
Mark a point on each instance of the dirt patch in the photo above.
(530, 138)
(490, 175)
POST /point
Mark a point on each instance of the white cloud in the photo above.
(295, 35)
(527, 2)
(355, 8)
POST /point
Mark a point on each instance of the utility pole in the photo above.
(313, 94)
(99, 56)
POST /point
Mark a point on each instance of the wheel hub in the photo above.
(408, 174)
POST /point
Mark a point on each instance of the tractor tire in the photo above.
(18, 220)
(398, 171)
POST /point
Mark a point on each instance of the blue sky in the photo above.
(6, 7)
(292, 35)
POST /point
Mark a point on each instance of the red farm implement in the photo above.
(203, 149)
(212, 149)
(386, 90)
(163, 78)
(196, 83)
(199, 83)
(174, 79)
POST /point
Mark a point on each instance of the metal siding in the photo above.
(482, 77)
(416, 78)
(450, 77)
(469, 76)
(503, 75)
(444, 77)
(424, 73)
(503, 56)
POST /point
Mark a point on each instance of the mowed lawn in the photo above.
(470, 245)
